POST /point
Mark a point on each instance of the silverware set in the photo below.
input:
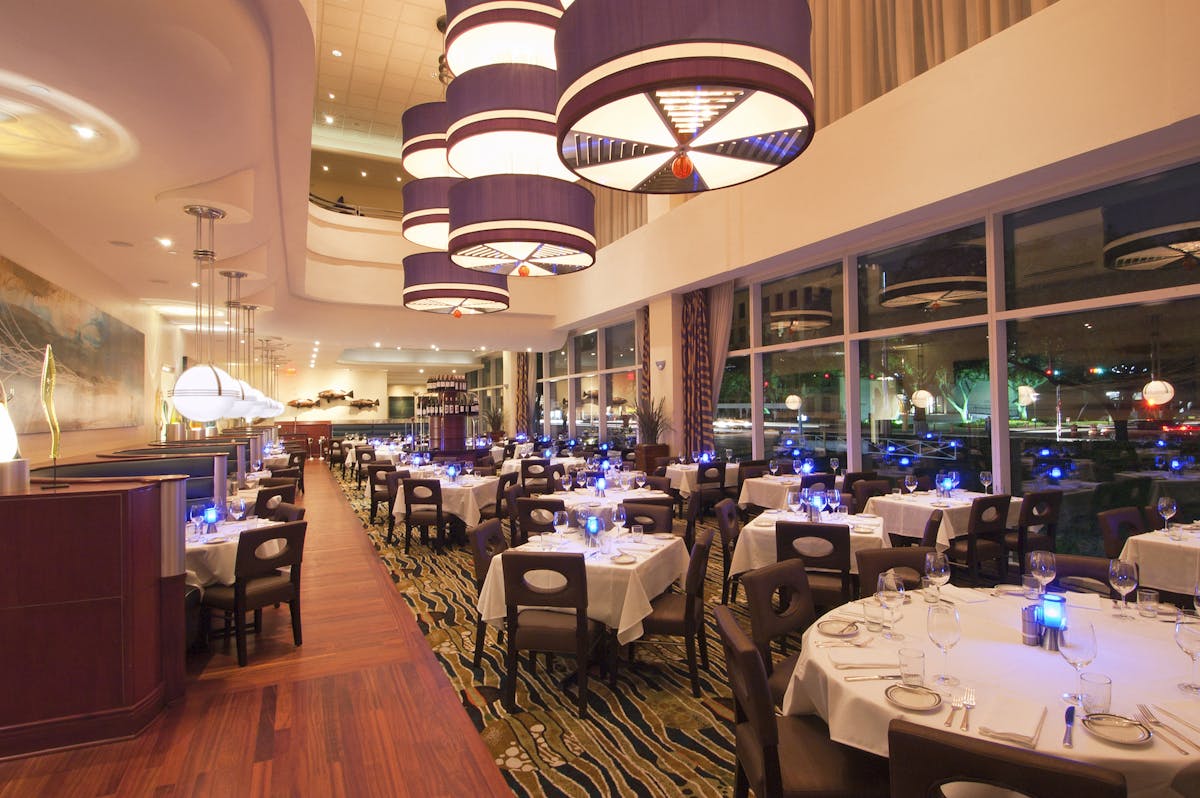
(1166, 732)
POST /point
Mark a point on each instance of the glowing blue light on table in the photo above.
(947, 484)
(452, 472)
(593, 525)
(905, 461)
(1054, 611)
(1044, 452)
(601, 484)
(1160, 442)
(806, 468)
(522, 437)
(789, 442)
(1056, 473)
(1176, 464)
(210, 515)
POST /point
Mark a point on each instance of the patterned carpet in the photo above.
(648, 738)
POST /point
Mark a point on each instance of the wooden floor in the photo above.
(361, 709)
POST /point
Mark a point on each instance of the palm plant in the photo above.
(652, 420)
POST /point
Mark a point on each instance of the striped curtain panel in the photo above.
(644, 377)
(697, 374)
(521, 408)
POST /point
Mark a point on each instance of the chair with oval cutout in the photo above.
(287, 513)
(984, 539)
(267, 499)
(393, 480)
(771, 621)
(535, 516)
(487, 541)
(535, 476)
(825, 549)
(423, 508)
(377, 480)
(363, 457)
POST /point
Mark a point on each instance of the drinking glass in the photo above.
(729, 455)
(562, 522)
(1043, 567)
(635, 533)
(833, 499)
(986, 478)
(774, 467)
(618, 518)
(945, 630)
(258, 465)
(797, 466)
(1187, 637)
(794, 500)
(955, 479)
(910, 483)
(565, 479)
(817, 499)
(1123, 577)
(937, 568)
(196, 516)
(696, 457)
(1166, 508)
(1078, 647)
(469, 468)
(237, 508)
(640, 479)
(834, 463)
(890, 592)
(580, 479)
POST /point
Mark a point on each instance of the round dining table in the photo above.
(1017, 687)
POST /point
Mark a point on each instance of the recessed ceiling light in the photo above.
(336, 53)
(420, 371)
(316, 343)
(377, 344)
(331, 96)
(164, 241)
(399, 348)
(363, 173)
(483, 349)
(529, 349)
(398, 178)
(195, 284)
(84, 132)
(453, 371)
(324, 168)
(328, 119)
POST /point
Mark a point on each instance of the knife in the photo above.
(872, 677)
(1067, 743)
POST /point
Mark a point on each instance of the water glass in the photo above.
(890, 592)
(618, 518)
(1187, 637)
(640, 479)
(773, 466)
(1123, 576)
(1078, 647)
(1147, 602)
(1032, 586)
(945, 630)
(929, 590)
(1043, 565)
(912, 666)
(1095, 693)
(833, 499)
(636, 532)
(874, 616)
(1167, 509)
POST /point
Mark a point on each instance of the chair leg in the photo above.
(693, 674)
(374, 504)
(703, 646)
(407, 535)
(741, 784)
(480, 631)
(582, 657)
(258, 620)
(508, 688)
(239, 629)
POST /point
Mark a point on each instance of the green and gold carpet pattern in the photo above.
(649, 737)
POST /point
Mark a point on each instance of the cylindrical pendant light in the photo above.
(671, 97)
(481, 32)
(937, 277)
(432, 283)
(426, 218)
(524, 224)
(423, 153)
(1155, 231)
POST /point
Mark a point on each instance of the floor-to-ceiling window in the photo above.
(590, 391)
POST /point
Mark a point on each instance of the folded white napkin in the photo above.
(854, 658)
(1085, 601)
(962, 595)
(1006, 717)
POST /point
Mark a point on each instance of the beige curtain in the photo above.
(617, 213)
(720, 322)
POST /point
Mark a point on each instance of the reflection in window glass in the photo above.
(733, 423)
(585, 352)
(1137, 236)
(803, 407)
(940, 277)
(1089, 408)
(739, 333)
(556, 405)
(558, 361)
(802, 307)
(620, 349)
(620, 415)
(587, 409)
(925, 404)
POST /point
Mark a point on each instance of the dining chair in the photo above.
(817, 481)
(423, 508)
(908, 562)
(287, 513)
(510, 451)
(499, 509)
(487, 540)
(933, 525)
(377, 479)
(1152, 519)
(752, 469)
(557, 472)
(535, 476)
(652, 517)
(924, 759)
(1116, 526)
(730, 528)
(1036, 526)
(337, 455)
(771, 621)
(984, 539)
(710, 485)
(662, 482)
(267, 499)
(259, 582)
(536, 516)
(275, 481)
(534, 619)
(851, 478)
(1081, 573)
(866, 489)
(511, 494)
(825, 550)
(676, 614)
(363, 456)
(786, 755)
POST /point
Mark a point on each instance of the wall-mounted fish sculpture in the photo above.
(303, 403)
(333, 394)
(363, 404)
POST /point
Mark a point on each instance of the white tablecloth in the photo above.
(213, 560)
(768, 492)
(514, 466)
(618, 595)
(756, 543)
(1163, 563)
(1184, 488)
(1011, 681)
(907, 514)
(462, 499)
(275, 461)
(683, 477)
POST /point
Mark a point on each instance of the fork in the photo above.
(1146, 716)
(956, 702)
(844, 643)
(968, 702)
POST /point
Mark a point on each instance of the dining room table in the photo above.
(603, 505)
(462, 498)
(1167, 561)
(210, 557)
(756, 542)
(907, 514)
(1183, 487)
(850, 677)
(684, 476)
(771, 492)
(621, 585)
(513, 465)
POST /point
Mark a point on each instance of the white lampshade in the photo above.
(244, 404)
(1026, 395)
(922, 399)
(793, 402)
(205, 393)
(8, 434)
(1158, 392)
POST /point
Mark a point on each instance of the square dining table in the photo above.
(683, 476)
(461, 498)
(907, 514)
(211, 559)
(1164, 563)
(756, 543)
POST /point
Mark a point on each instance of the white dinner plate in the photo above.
(862, 530)
(1117, 729)
(662, 536)
(624, 559)
(865, 515)
(939, 504)
(838, 628)
(913, 697)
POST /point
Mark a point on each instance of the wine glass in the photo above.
(955, 479)
(639, 479)
(890, 592)
(774, 468)
(910, 483)
(562, 522)
(237, 508)
(833, 465)
(196, 516)
(817, 500)
(1043, 567)
(1187, 637)
(797, 466)
(565, 479)
(937, 568)
(618, 518)
(945, 630)
(581, 479)
(794, 500)
(1078, 647)
(1166, 508)
(469, 467)
(833, 500)
(986, 478)
(1123, 577)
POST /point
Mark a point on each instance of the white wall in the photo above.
(32, 247)
(306, 383)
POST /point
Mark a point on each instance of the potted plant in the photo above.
(652, 423)
(493, 417)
